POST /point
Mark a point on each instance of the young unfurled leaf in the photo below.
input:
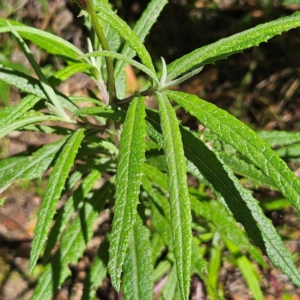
(129, 173)
(179, 196)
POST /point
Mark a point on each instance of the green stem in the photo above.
(101, 37)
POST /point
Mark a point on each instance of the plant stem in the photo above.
(101, 37)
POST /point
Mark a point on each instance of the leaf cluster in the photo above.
(160, 225)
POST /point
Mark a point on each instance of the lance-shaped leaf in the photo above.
(129, 173)
(233, 44)
(208, 168)
(104, 112)
(56, 106)
(169, 289)
(138, 267)
(55, 186)
(244, 140)
(141, 28)
(160, 217)
(157, 245)
(241, 167)
(105, 13)
(67, 72)
(98, 272)
(289, 152)
(179, 196)
(118, 56)
(277, 138)
(247, 269)
(51, 43)
(28, 167)
(72, 204)
(18, 110)
(214, 265)
(72, 245)
(31, 85)
(26, 121)
(239, 200)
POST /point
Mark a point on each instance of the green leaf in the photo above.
(162, 227)
(50, 42)
(277, 138)
(28, 167)
(181, 79)
(162, 268)
(105, 13)
(246, 210)
(18, 110)
(231, 45)
(31, 85)
(72, 245)
(290, 2)
(130, 61)
(72, 204)
(239, 201)
(214, 265)
(157, 245)
(102, 112)
(247, 269)
(26, 121)
(97, 272)
(214, 212)
(169, 289)
(274, 204)
(244, 140)
(141, 28)
(179, 196)
(199, 264)
(138, 268)
(160, 200)
(289, 152)
(160, 218)
(246, 170)
(48, 90)
(129, 173)
(55, 186)
(67, 72)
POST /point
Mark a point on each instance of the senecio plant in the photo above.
(145, 155)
